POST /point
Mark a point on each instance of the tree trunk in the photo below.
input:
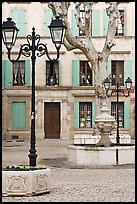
(100, 73)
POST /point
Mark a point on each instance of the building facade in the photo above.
(65, 101)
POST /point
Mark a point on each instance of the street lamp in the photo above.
(9, 35)
(116, 90)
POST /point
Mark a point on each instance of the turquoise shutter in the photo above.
(106, 20)
(3, 73)
(76, 114)
(74, 28)
(126, 114)
(19, 16)
(27, 72)
(125, 22)
(109, 68)
(7, 73)
(96, 22)
(75, 72)
(93, 112)
(59, 74)
(127, 69)
(19, 115)
(47, 21)
(109, 105)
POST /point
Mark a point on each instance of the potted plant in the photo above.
(25, 180)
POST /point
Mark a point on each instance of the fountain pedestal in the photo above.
(104, 124)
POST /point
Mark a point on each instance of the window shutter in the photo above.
(93, 112)
(27, 72)
(3, 73)
(127, 69)
(75, 72)
(96, 22)
(106, 20)
(126, 114)
(19, 115)
(59, 75)
(109, 105)
(74, 28)
(125, 22)
(7, 68)
(109, 68)
(19, 17)
(76, 115)
(47, 21)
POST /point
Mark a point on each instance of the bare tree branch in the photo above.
(112, 12)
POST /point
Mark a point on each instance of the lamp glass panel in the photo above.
(107, 85)
(8, 35)
(57, 35)
(128, 85)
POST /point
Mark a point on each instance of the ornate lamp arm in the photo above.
(36, 46)
(23, 50)
(42, 48)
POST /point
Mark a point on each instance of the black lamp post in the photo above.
(117, 90)
(9, 34)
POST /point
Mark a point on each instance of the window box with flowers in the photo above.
(25, 180)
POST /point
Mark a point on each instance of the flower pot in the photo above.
(25, 183)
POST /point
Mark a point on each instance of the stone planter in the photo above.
(25, 183)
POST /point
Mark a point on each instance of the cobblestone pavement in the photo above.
(75, 183)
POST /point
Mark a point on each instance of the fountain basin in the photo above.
(94, 155)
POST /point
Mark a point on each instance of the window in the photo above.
(120, 24)
(83, 21)
(85, 73)
(117, 71)
(52, 73)
(121, 112)
(85, 115)
(82, 17)
(19, 73)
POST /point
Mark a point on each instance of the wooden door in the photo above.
(52, 120)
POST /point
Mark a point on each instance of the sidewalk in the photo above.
(71, 182)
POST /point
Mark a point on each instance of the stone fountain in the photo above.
(104, 152)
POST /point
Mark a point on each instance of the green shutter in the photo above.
(75, 72)
(27, 72)
(126, 114)
(8, 73)
(59, 74)
(96, 22)
(19, 115)
(3, 73)
(106, 20)
(127, 69)
(93, 112)
(76, 114)
(47, 21)
(109, 68)
(125, 22)
(74, 28)
(19, 16)
(109, 105)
